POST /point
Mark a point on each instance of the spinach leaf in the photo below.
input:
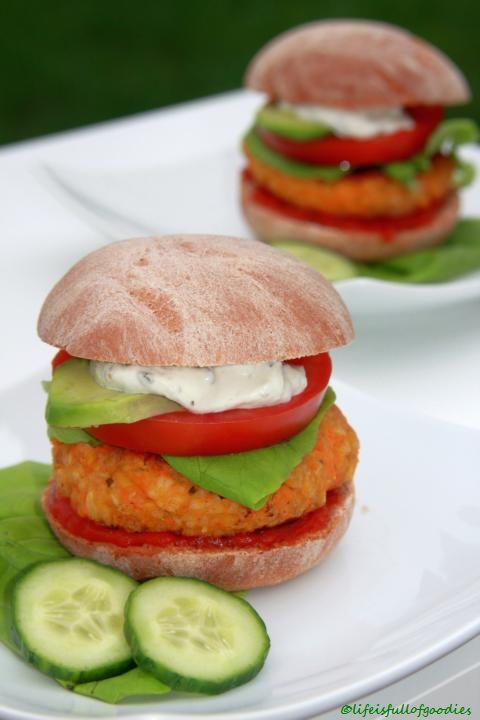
(458, 255)
(445, 139)
(71, 435)
(132, 684)
(250, 477)
(327, 173)
(450, 134)
(25, 538)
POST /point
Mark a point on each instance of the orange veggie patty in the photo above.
(365, 194)
(141, 492)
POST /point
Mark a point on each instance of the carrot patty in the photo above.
(140, 492)
(366, 194)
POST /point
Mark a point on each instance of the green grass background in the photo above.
(68, 63)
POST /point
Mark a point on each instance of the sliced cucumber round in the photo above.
(334, 267)
(194, 636)
(68, 619)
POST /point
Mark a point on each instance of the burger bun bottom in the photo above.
(231, 569)
(270, 226)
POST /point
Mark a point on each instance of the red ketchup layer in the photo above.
(286, 533)
(385, 227)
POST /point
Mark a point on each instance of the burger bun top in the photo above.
(355, 64)
(193, 301)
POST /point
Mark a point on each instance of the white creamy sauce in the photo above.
(355, 123)
(211, 389)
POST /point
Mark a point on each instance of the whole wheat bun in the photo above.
(193, 301)
(269, 225)
(355, 64)
(232, 569)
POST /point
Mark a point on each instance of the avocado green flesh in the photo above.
(287, 124)
(296, 169)
(334, 267)
(75, 400)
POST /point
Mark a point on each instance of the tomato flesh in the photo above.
(61, 357)
(385, 227)
(378, 150)
(184, 433)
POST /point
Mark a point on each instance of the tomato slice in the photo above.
(378, 150)
(384, 227)
(61, 357)
(232, 431)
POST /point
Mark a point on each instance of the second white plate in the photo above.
(201, 195)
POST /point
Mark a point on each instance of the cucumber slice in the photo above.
(332, 266)
(194, 636)
(68, 618)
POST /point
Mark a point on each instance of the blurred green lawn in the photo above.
(67, 63)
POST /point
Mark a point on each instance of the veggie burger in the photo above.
(194, 432)
(351, 151)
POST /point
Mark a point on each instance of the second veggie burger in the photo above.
(193, 429)
(351, 151)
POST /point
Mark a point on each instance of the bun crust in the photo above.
(231, 569)
(193, 301)
(269, 225)
(355, 64)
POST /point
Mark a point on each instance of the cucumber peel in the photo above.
(68, 618)
(193, 636)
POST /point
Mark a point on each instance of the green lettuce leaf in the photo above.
(446, 138)
(406, 171)
(71, 436)
(458, 255)
(296, 169)
(449, 135)
(464, 173)
(250, 477)
(25, 538)
(132, 684)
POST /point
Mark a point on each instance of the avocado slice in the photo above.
(76, 400)
(287, 124)
(290, 167)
